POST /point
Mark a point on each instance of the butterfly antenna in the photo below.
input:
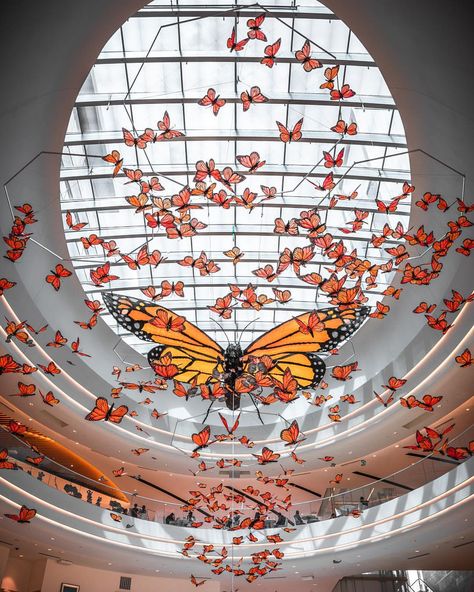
(252, 398)
(222, 328)
(247, 325)
(208, 411)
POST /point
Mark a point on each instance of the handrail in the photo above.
(333, 496)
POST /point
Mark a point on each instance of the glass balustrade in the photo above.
(336, 502)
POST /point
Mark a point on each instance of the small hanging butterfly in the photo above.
(292, 435)
(105, 412)
(465, 359)
(330, 161)
(130, 140)
(254, 95)
(166, 134)
(251, 161)
(24, 516)
(211, 99)
(290, 136)
(255, 31)
(343, 128)
(267, 456)
(270, 54)
(235, 45)
(345, 92)
(304, 57)
(235, 254)
(201, 439)
(49, 399)
(114, 158)
(74, 226)
(59, 273)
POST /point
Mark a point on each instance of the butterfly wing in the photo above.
(194, 365)
(116, 415)
(284, 132)
(307, 369)
(287, 337)
(137, 315)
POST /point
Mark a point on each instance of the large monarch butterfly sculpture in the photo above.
(200, 360)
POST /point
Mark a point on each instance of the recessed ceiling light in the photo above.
(49, 549)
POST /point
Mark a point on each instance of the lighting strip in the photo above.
(313, 539)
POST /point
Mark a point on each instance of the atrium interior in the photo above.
(236, 297)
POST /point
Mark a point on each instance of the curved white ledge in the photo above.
(397, 516)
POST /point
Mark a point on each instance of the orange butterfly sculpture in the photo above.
(105, 412)
(254, 95)
(4, 462)
(294, 135)
(292, 434)
(203, 361)
(211, 99)
(201, 439)
(235, 45)
(267, 456)
(304, 57)
(24, 516)
(254, 26)
(56, 275)
(270, 54)
(465, 359)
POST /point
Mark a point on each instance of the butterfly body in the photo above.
(233, 369)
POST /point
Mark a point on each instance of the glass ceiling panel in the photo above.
(185, 60)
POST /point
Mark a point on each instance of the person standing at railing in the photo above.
(134, 511)
(281, 521)
(297, 518)
(190, 518)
